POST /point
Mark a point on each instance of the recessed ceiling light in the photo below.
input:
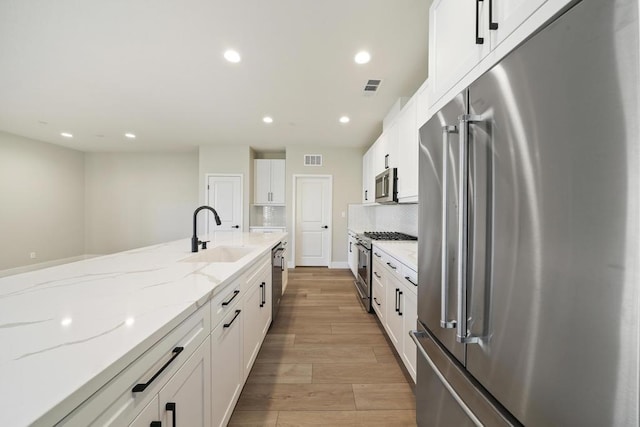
(267, 119)
(232, 56)
(130, 135)
(362, 57)
(344, 119)
(66, 135)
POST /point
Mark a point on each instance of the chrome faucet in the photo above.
(194, 240)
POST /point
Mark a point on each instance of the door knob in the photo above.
(325, 226)
(235, 226)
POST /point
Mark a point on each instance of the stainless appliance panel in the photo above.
(277, 267)
(449, 397)
(554, 222)
(363, 281)
(430, 225)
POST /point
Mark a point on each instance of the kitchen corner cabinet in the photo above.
(269, 182)
(395, 302)
(462, 33)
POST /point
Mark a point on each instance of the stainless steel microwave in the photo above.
(386, 186)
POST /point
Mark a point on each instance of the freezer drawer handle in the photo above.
(462, 334)
(235, 294)
(415, 336)
(445, 322)
(143, 386)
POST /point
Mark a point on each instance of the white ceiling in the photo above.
(101, 68)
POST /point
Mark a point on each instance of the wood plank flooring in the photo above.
(325, 361)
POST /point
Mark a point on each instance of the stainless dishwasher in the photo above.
(277, 267)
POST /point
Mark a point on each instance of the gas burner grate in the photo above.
(388, 235)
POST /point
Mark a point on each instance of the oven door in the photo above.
(363, 281)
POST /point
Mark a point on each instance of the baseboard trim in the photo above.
(45, 264)
(339, 264)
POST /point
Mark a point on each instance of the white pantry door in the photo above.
(224, 194)
(313, 220)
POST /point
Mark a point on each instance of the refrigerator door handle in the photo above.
(415, 336)
(462, 335)
(445, 322)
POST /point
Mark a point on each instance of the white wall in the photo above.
(41, 201)
(138, 199)
(221, 159)
(345, 165)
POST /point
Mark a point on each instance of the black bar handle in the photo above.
(143, 386)
(226, 325)
(171, 406)
(408, 279)
(492, 25)
(376, 300)
(399, 302)
(262, 294)
(386, 161)
(375, 273)
(377, 254)
(391, 265)
(235, 294)
(155, 424)
(479, 40)
(350, 243)
(365, 194)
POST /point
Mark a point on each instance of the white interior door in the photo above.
(313, 221)
(224, 194)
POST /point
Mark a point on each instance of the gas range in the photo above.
(366, 237)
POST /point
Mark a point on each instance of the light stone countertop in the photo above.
(67, 330)
(404, 251)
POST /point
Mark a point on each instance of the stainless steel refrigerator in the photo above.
(529, 246)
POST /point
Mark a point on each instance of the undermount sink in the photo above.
(220, 254)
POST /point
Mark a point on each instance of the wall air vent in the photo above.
(371, 87)
(313, 159)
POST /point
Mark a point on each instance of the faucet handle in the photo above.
(204, 244)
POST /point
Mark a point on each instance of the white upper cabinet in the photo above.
(368, 196)
(463, 32)
(458, 40)
(507, 15)
(269, 182)
(407, 153)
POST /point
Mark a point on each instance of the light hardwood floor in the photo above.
(325, 362)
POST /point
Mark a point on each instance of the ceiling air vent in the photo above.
(371, 87)
(313, 159)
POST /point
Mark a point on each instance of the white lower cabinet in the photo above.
(257, 306)
(395, 302)
(227, 369)
(148, 416)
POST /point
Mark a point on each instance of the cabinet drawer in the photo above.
(410, 278)
(253, 275)
(225, 302)
(116, 404)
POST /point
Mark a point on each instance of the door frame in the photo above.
(206, 193)
(295, 219)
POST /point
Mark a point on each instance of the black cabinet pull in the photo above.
(264, 292)
(377, 254)
(376, 300)
(408, 279)
(350, 243)
(155, 424)
(386, 161)
(390, 265)
(226, 325)
(171, 406)
(235, 294)
(479, 40)
(365, 194)
(143, 386)
(399, 302)
(377, 275)
(492, 25)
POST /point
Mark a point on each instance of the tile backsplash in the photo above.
(400, 217)
(268, 216)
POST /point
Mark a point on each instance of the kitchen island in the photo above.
(69, 330)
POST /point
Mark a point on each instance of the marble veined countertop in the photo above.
(67, 330)
(404, 251)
